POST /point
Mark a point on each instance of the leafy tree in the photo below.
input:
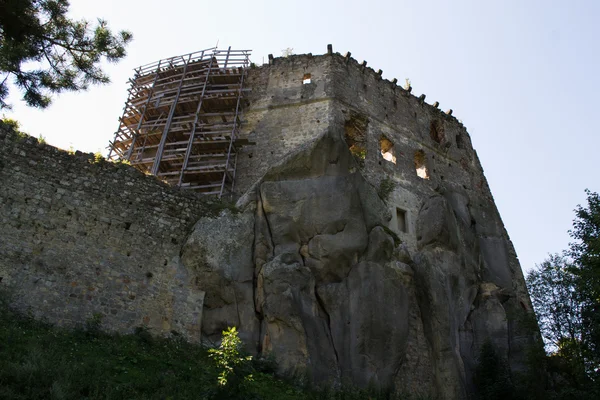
(586, 255)
(492, 375)
(233, 367)
(557, 303)
(46, 52)
(565, 291)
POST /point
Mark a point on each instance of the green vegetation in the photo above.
(15, 126)
(492, 375)
(565, 292)
(386, 187)
(41, 362)
(233, 366)
(359, 153)
(585, 253)
(47, 53)
(44, 362)
(98, 158)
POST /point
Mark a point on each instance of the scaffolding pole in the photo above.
(182, 117)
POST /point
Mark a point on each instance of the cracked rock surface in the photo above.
(310, 273)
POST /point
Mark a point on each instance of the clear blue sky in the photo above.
(523, 76)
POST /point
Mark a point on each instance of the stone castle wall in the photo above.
(446, 213)
(284, 114)
(81, 237)
(308, 268)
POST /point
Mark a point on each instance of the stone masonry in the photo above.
(82, 236)
(366, 246)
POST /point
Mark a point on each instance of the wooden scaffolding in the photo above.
(182, 117)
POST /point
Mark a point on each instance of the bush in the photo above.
(233, 367)
(93, 324)
(386, 187)
(492, 376)
(39, 361)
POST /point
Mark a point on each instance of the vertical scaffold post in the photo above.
(137, 130)
(127, 102)
(163, 139)
(188, 151)
(226, 59)
(233, 132)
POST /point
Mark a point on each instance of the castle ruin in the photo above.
(365, 245)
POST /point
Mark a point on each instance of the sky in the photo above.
(522, 75)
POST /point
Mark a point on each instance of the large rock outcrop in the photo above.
(310, 273)
(315, 268)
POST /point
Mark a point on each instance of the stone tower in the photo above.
(373, 209)
(365, 246)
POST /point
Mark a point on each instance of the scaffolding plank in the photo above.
(181, 119)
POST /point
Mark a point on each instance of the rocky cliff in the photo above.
(365, 247)
(331, 291)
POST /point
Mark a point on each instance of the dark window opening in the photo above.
(387, 149)
(355, 133)
(401, 220)
(436, 130)
(420, 166)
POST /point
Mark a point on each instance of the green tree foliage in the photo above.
(45, 52)
(232, 365)
(585, 252)
(553, 290)
(492, 375)
(565, 291)
(558, 304)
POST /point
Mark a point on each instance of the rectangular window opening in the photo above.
(420, 166)
(387, 149)
(401, 220)
(306, 79)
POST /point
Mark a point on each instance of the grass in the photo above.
(43, 362)
(40, 361)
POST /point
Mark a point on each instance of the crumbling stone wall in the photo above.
(463, 261)
(282, 113)
(83, 237)
(367, 247)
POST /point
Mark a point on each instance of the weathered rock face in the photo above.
(218, 253)
(307, 271)
(315, 268)
(326, 275)
(330, 292)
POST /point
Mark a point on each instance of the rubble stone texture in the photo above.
(321, 267)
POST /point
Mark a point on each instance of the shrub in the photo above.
(386, 187)
(98, 157)
(93, 323)
(492, 375)
(15, 126)
(233, 367)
